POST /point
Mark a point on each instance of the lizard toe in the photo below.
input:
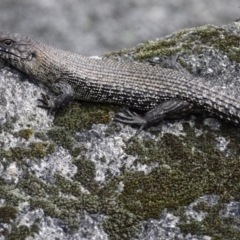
(131, 118)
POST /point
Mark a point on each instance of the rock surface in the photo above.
(77, 175)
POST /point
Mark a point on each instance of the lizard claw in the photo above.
(131, 118)
(47, 103)
(45, 98)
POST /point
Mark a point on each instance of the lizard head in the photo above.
(16, 49)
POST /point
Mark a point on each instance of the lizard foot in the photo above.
(47, 103)
(131, 118)
(154, 116)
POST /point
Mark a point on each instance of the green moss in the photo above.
(35, 187)
(74, 118)
(11, 195)
(113, 128)
(188, 41)
(25, 133)
(20, 232)
(121, 225)
(61, 137)
(66, 209)
(202, 207)
(40, 135)
(34, 227)
(48, 207)
(35, 150)
(47, 197)
(79, 117)
(86, 173)
(67, 186)
(100, 200)
(7, 214)
(40, 150)
(9, 125)
(205, 36)
(76, 151)
(186, 170)
(215, 225)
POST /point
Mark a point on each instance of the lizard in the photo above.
(159, 92)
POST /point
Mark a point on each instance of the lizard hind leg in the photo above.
(168, 109)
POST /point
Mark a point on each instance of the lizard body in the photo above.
(161, 92)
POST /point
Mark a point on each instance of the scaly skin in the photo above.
(160, 91)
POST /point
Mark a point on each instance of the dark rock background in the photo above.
(94, 27)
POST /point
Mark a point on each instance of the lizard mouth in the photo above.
(13, 56)
(6, 55)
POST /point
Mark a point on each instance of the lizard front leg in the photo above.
(65, 95)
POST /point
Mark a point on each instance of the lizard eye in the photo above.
(8, 43)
